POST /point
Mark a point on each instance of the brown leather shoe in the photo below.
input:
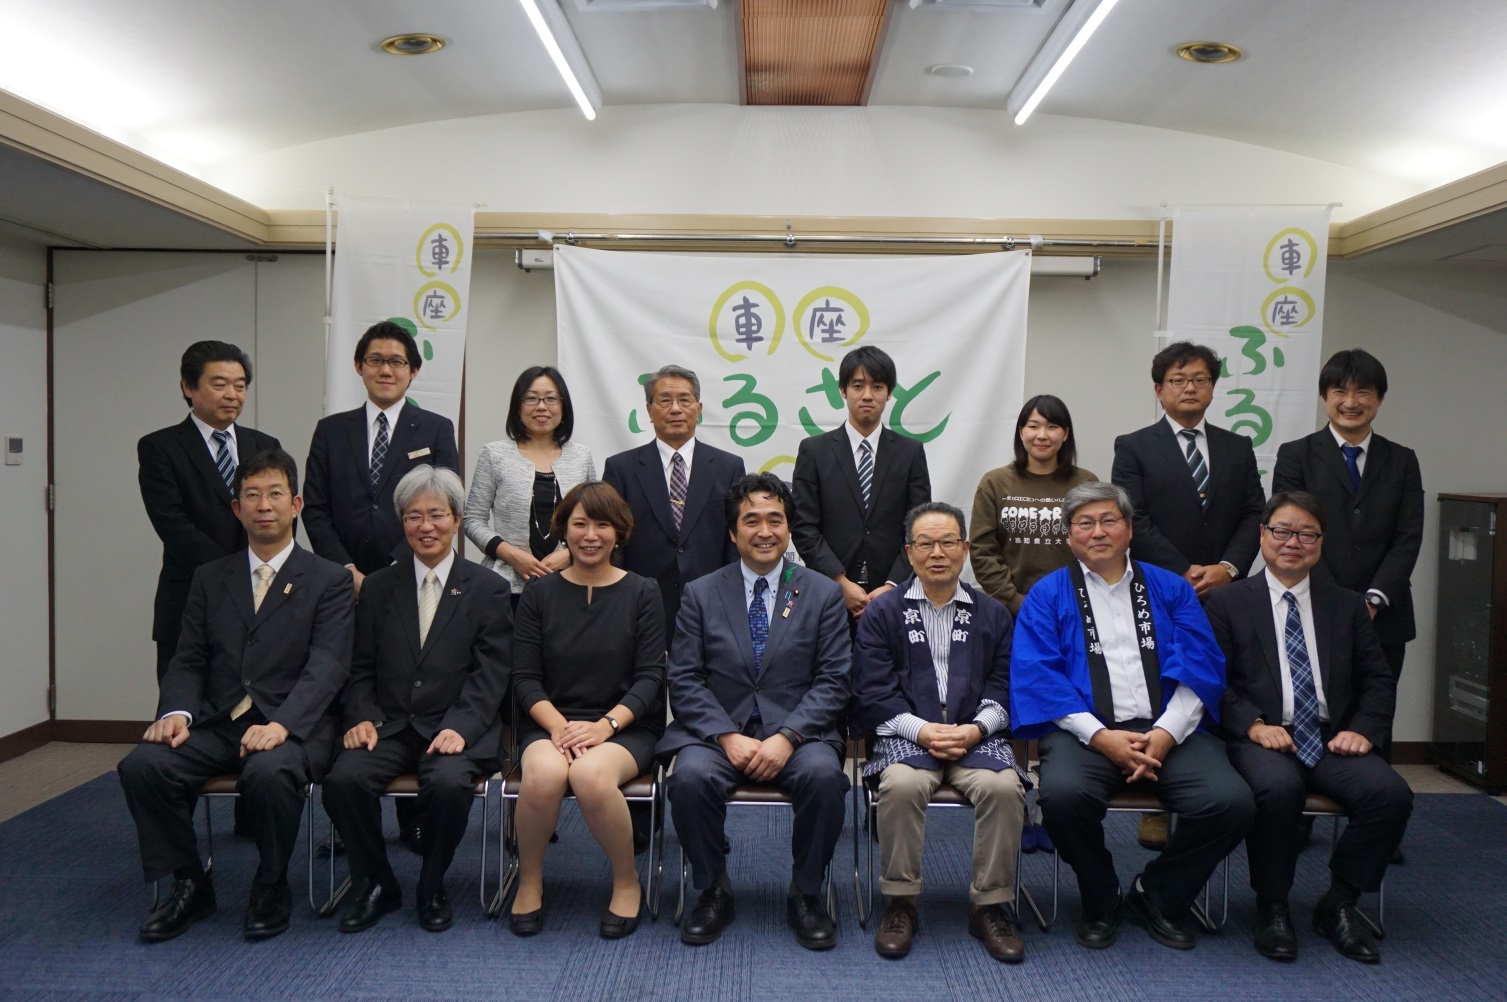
(993, 925)
(1153, 832)
(896, 929)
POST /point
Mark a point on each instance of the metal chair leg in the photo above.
(680, 898)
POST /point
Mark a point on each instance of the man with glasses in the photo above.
(355, 459)
(1310, 694)
(931, 680)
(1115, 669)
(434, 640)
(266, 644)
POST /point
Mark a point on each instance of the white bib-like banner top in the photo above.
(765, 335)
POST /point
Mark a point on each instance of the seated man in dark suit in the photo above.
(1310, 693)
(265, 645)
(433, 647)
(758, 676)
(931, 679)
(1114, 668)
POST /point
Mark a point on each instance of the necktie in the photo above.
(264, 575)
(677, 489)
(1305, 700)
(1197, 467)
(865, 472)
(758, 623)
(379, 449)
(223, 462)
(1352, 457)
(429, 600)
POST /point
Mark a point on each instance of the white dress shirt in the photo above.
(749, 577)
(372, 410)
(855, 439)
(667, 456)
(1304, 595)
(441, 573)
(1201, 443)
(214, 447)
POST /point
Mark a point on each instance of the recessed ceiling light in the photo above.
(414, 44)
(950, 70)
(1209, 52)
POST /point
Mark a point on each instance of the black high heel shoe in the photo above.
(616, 926)
(527, 923)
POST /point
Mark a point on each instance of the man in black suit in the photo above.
(185, 473)
(1373, 498)
(758, 674)
(266, 644)
(1195, 488)
(1309, 693)
(434, 638)
(854, 485)
(675, 486)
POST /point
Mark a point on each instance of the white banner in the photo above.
(1249, 283)
(409, 262)
(765, 335)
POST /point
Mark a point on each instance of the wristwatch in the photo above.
(789, 735)
(610, 722)
(1376, 601)
(983, 731)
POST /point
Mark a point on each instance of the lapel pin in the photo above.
(288, 588)
(455, 591)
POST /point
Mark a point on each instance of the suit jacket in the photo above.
(189, 506)
(833, 533)
(292, 655)
(1171, 529)
(456, 679)
(348, 520)
(804, 682)
(1358, 683)
(656, 549)
(1371, 536)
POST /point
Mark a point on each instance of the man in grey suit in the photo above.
(758, 674)
(266, 644)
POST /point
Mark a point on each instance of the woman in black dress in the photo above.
(588, 675)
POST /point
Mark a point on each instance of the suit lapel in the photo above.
(737, 613)
(889, 442)
(284, 584)
(779, 623)
(354, 453)
(1328, 452)
(1378, 454)
(397, 445)
(699, 490)
(843, 458)
(1176, 459)
(406, 595)
(451, 593)
(199, 455)
(1266, 633)
(1323, 643)
(651, 477)
(238, 582)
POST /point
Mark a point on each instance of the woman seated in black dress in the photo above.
(588, 675)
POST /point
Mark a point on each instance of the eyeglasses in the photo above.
(534, 400)
(948, 545)
(1109, 523)
(1282, 534)
(684, 403)
(255, 497)
(434, 517)
(377, 362)
(1178, 382)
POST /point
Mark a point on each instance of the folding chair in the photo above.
(1319, 806)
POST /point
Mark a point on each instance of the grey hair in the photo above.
(435, 481)
(667, 372)
(933, 508)
(1097, 490)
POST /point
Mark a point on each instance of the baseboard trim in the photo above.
(1410, 753)
(25, 740)
(119, 732)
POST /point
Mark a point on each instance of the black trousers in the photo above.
(161, 784)
(704, 778)
(1376, 800)
(1214, 806)
(447, 784)
(1393, 654)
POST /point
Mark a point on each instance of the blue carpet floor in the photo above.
(71, 899)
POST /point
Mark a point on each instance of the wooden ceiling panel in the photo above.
(810, 52)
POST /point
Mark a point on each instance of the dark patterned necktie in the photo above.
(1197, 467)
(677, 489)
(379, 449)
(1305, 700)
(865, 472)
(1352, 463)
(758, 623)
(223, 462)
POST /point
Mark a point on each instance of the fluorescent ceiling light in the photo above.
(1073, 31)
(560, 42)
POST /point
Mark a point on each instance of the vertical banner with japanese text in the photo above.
(1249, 283)
(765, 335)
(409, 262)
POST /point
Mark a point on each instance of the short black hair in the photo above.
(1297, 499)
(1353, 367)
(386, 330)
(1181, 353)
(201, 353)
(267, 461)
(516, 431)
(875, 361)
(756, 483)
(1055, 411)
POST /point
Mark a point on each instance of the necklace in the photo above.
(543, 530)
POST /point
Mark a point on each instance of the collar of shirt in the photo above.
(1122, 585)
(749, 577)
(208, 434)
(916, 592)
(667, 455)
(1365, 443)
(1203, 434)
(854, 439)
(276, 563)
(1278, 589)
(372, 410)
(441, 570)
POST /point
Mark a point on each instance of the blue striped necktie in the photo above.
(1197, 466)
(379, 449)
(866, 472)
(758, 623)
(223, 462)
(1305, 700)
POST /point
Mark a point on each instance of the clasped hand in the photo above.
(1138, 755)
(760, 761)
(577, 737)
(949, 742)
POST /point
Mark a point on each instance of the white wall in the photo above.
(23, 489)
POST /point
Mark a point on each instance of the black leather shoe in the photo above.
(813, 926)
(616, 926)
(1275, 937)
(1342, 926)
(527, 923)
(714, 912)
(412, 839)
(270, 908)
(369, 901)
(1099, 931)
(434, 911)
(190, 901)
(1166, 931)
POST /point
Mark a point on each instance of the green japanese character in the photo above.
(633, 414)
(766, 418)
(1259, 422)
(828, 385)
(1254, 338)
(903, 397)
